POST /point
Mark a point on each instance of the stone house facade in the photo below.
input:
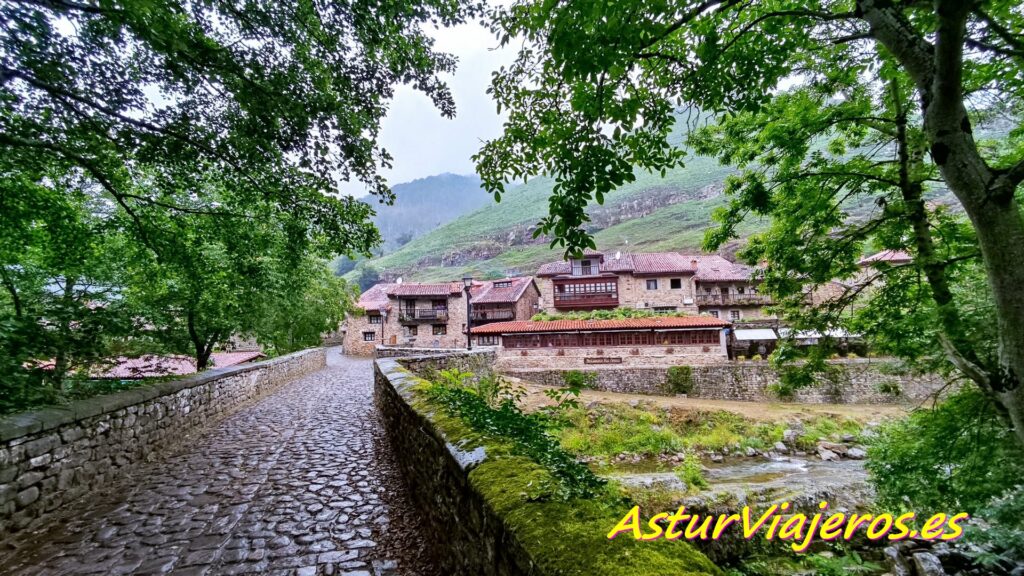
(662, 282)
(433, 315)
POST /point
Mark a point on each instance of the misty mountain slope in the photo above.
(652, 213)
(425, 204)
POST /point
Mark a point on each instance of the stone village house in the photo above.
(661, 281)
(434, 315)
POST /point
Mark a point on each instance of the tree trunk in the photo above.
(61, 360)
(1001, 237)
(203, 347)
(987, 195)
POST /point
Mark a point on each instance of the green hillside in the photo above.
(652, 213)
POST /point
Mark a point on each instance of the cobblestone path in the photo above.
(299, 483)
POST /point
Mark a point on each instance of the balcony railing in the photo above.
(733, 299)
(423, 315)
(586, 300)
(493, 315)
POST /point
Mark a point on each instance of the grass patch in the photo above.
(611, 429)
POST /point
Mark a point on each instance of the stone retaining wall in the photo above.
(469, 538)
(54, 455)
(852, 382)
(405, 351)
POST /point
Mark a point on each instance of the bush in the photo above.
(506, 421)
(679, 379)
(691, 472)
(999, 535)
(957, 457)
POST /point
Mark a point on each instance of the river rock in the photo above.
(856, 453)
(896, 562)
(781, 448)
(751, 452)
(789, 435)
(840, 449)
(826, 454)
(926, 564)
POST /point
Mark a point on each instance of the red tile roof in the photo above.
(375, 297)
(656, 323)
(487, 293)
(151, 366)
(714, 268)
(662, 262)
(415, 289)
(640, 263)
(889, 256)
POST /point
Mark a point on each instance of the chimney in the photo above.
(693, 263)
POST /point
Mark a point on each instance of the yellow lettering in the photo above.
(671, 533)
(723, 523)
(957, 530)
(702, 531)
(855, 522)
(653, 523)
(748, 530)
(631, 521)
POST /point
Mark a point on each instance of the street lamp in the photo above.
(467, 281)
(383, 322)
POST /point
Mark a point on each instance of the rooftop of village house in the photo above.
(501, 291)
(703, 267)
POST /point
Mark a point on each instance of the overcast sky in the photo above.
(422, 142)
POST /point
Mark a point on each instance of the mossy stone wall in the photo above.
(468, 537)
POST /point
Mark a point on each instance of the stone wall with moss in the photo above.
(494, 512)
(856, 381)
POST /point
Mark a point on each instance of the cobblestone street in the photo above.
(299, 483)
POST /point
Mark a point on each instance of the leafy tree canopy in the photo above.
(847, 119)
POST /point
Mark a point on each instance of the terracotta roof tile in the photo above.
(487, 292)
(714, 268)
(662, 263)
(375, 297)
(656, 323)
(415, 289)
(151, 366)
(640, 263)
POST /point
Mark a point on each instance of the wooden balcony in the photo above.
(493, 315)
(586, 300)
(733, 300)
(423, 315)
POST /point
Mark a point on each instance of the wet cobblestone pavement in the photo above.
(299, 483)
